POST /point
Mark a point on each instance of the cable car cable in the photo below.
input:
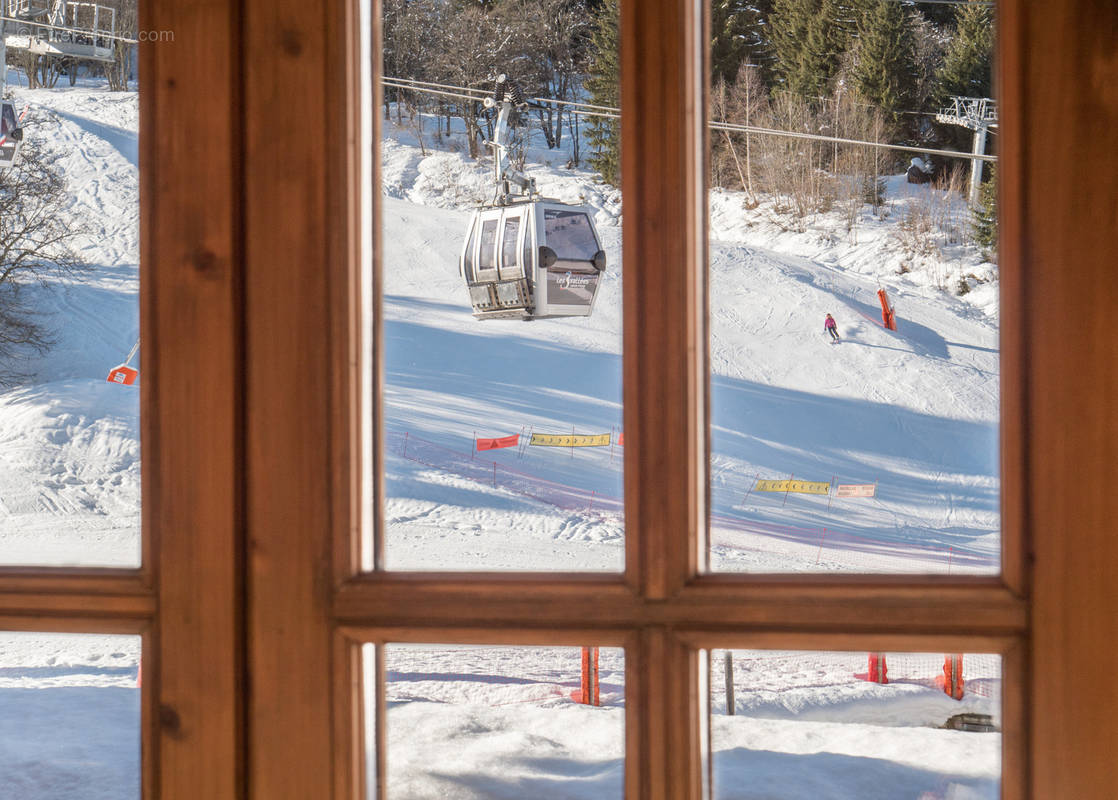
(614, 113)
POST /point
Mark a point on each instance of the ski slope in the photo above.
(69, 441)
(913, 411)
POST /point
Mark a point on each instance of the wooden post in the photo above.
(728, 664)
(594, 677)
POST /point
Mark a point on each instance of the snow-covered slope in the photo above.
(913, 411)
(69, 441)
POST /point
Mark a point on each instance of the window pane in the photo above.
(487, 255)
(815, 725)
(69, 272)
(369, 682)
(508, 245)
(854, 335)
(69, 717)
(504, 722)
(502, 445)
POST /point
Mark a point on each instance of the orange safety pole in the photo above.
(584, 697)
(888, 317)
(953, 675)
(878, 670)
(597, 683)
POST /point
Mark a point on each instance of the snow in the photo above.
(71, 721)
(474, 722)
(69, 441)
(914, 411)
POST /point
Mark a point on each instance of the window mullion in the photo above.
(662, 717)
(296, 222)
(190, 395)
(661, 133)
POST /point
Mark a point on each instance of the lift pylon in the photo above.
(978, 114)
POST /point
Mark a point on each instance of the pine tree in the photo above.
(604, 86)
(966, 65)
(884, 69)
(984, 216)
(807, 43)
(737, 34)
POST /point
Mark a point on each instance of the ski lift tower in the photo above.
(979, 114)
(507, 98)
(70, 30)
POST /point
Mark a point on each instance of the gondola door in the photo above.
(512, 289)
(493, 263)
(571, 261)
(478, 265)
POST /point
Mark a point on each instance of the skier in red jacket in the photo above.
(831, 327)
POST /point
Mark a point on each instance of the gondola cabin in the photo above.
(11, 134)
(532, 259)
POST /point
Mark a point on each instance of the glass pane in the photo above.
(508, 244)
(69, 273)
(369, 668)
(69, 716)
(854, 339)
(502, 445)
(871, 725)
(504, 722)
(487, 255)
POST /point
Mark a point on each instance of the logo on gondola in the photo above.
(572, 281)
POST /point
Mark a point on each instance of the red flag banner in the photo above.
(497, 444)
(621, 439)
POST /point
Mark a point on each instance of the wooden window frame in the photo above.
(250, 601)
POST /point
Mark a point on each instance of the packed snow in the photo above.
(912, 411)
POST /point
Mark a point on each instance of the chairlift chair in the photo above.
(525, 256)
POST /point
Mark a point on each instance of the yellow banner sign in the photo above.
(856, 490)
(800, 487)
(549, 440)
